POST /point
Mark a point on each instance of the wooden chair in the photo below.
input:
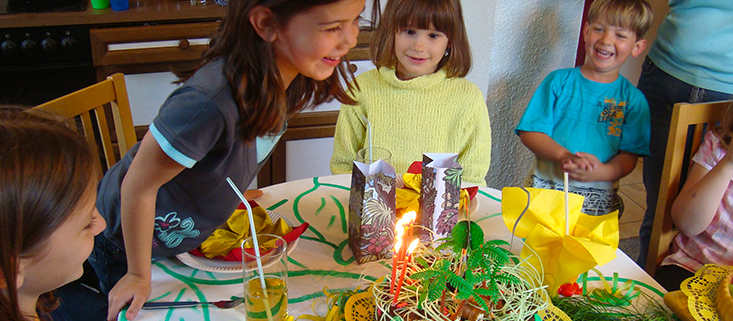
(89, 109)
(695, 119)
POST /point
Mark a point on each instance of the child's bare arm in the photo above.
(617, 167)
(545, 147)
(695, 206)
(150, 169)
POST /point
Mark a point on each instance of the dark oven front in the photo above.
(38, 64)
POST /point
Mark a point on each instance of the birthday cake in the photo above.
(724, 300)
(461, 278)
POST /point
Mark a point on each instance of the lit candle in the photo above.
(412, 247)
(394, 264)
(410, 216)
(399, 232)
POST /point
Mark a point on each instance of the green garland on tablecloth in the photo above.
(612, 302)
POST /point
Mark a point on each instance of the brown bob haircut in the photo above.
(445, 16)
(635, 15)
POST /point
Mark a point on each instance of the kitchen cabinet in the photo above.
(150, 48)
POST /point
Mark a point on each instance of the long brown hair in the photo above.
(445, 16)
(264, 105)
(725, 130)
(45, 170)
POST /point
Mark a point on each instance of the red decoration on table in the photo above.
(570, 289)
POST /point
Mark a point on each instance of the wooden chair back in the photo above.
(91, 108)
(689, 124)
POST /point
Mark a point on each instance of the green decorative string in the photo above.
(278, 204)
(342, 213)
(614, 302)
(320, 208)
(489, 196)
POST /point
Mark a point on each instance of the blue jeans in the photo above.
(108, 261)
(80, 301)
(662, 91)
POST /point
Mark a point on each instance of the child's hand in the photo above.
(591, 161)
(579, 162)
(130, 289)
(251, 194)
(583, 168)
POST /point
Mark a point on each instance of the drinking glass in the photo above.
(274, 297)
(119, 5)
(377, 153)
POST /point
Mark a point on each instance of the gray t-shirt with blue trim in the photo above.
(196, 127)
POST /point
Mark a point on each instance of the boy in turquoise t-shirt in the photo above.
(589, 121)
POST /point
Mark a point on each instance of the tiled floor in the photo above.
(634, 196)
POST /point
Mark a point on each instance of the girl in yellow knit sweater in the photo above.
(417, 100)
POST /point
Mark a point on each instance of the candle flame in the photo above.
(413, 245)
(399, 233)
(398, 244)
(409, 216)
(401, 223)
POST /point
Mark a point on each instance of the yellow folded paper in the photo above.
(237, 229)
(592, 240)
(407, 199)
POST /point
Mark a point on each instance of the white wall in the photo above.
(530, 39)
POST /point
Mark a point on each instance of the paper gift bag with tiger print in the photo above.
(372, 211)
(440, 195)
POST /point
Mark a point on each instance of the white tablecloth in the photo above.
(322, 257)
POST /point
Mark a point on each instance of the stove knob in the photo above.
(49, 45)
(68, 43)
(29, 46)
(9, 47)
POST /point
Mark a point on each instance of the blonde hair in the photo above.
(635, 15)
(445, 16)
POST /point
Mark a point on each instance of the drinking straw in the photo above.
(256, 247)
(567, 210)
(369, 132)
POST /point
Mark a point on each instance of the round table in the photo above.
(322, 258)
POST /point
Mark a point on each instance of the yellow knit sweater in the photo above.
(427, 114)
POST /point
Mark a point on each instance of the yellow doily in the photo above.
(360, 307)
(700, 290)
(552, 313)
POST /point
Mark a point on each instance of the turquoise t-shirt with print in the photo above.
(587, 116)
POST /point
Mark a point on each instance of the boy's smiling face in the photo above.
(606, 48)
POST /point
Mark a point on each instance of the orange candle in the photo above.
(412, 247)
(397, 246)
(399, 231)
